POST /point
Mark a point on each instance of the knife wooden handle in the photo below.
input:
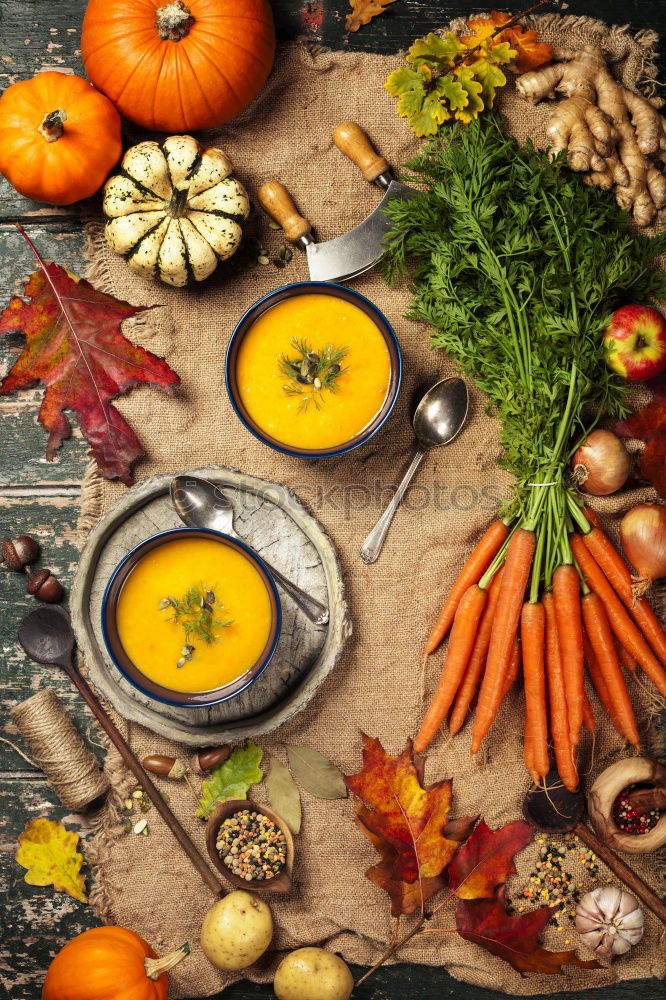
(276, 200)
(354, 143)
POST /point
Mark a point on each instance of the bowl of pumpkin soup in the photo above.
(313, 369)
(191, 617)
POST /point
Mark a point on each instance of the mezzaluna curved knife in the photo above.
(355, 252)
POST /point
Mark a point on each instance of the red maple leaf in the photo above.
(649, 425)
(513, 938)
(404, 813)
(75, 348)
(486, 860)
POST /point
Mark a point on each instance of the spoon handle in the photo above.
(623, 872)
(372, 546)
(310, 606)
(143, 778)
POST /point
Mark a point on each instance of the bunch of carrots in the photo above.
(584, 618)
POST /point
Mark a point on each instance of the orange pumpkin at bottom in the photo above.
(59, 138)
(109, 962)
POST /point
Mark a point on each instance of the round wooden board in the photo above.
(275, 523)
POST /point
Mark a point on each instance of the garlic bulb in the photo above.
(609, 921)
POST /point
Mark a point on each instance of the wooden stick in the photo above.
(144, 780)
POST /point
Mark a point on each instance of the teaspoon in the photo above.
(201, 504)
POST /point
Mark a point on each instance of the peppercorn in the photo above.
(631, 820)
(252, 846)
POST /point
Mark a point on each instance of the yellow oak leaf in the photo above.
(362, 12)
(49, 851)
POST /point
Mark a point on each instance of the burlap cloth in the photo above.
(146, 883)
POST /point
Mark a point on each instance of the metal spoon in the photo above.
(201, 504)
(47, 636)
(438, 419)
(552, 808)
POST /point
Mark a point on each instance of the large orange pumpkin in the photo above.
(59, 138)
(107, 962)
(181, 65)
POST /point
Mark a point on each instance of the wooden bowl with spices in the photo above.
(251, 846)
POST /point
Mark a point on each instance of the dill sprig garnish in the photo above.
(199, 614)
(309, 373)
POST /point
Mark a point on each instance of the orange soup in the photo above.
(160, 604)
(313, 371)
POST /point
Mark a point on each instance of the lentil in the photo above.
(252, 846)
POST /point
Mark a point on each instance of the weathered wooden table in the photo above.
(42, 499)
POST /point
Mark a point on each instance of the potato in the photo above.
(236, 931)
(313, 974)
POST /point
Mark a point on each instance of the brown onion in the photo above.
(643, 534)
(602, 464)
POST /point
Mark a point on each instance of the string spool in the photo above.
(70, 768)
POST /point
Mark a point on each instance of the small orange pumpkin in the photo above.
(178, 65)
(109, 962)
(59, 138)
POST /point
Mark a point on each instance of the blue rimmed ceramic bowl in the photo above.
(261, 306)
(116, 650)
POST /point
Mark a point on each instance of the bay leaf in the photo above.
(283, 795)
(316, 774)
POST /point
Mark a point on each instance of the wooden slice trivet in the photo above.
(274, 522)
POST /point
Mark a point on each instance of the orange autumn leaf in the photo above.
(513, 938)
(363, 11)
(530, 52)
(399, 809)
(486, 860)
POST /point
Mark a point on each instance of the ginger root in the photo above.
(614, 136)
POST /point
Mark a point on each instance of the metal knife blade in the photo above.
(355, 252)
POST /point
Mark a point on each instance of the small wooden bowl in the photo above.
(280, 883)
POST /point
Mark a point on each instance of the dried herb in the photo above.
(316, 774)
(198, 613)
(362, 12)
(283, 795)
(311, 373)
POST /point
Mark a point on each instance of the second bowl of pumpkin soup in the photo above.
(313, 369)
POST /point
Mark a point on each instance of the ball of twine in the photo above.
(71, 769)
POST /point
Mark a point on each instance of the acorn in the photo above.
(43, 585)
(19, 552)
(208, 759)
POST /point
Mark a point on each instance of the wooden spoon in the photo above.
(47, 636)
(551, 808)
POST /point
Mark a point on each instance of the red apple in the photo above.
(636, 343)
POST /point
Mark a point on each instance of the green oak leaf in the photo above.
(449, 88)
(432, 114)
(232, 778)
(473, 91)
(435, 51)
(490, 77)
(403, 80)
(500, 52)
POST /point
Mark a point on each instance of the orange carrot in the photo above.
(589, 722)
(618, 575)
(626, 659)
(601, 640)
(461, 644)
(626, 631)
(485, 551)
(650, 626)
(566, 595)
(514, 667)
(611, 562)
(591, 516)
(559, 718)
(520, 553)
(599, 684)
(477, 660)
(533, 640)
